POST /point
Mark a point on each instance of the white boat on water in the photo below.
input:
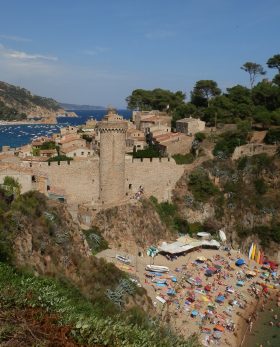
(123, 259)
(157, 268)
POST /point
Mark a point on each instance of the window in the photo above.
(82, 153)
(129, 186)
(75, 154)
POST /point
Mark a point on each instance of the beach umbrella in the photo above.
(251, 273)
(208, 273)
(207, 288)
(204, 298)
(174, 279)
(218, 267)
(240, 283)
(240, 262)
(219, 327)
(202, 259)
(171, 291)
(194, 313)
(220, 298)
(217, 335)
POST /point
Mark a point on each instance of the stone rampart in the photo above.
(78, 179)
(157, 176)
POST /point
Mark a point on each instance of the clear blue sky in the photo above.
(97, 52)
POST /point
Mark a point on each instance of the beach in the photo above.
(216, 308)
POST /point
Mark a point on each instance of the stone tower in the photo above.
(112, 158)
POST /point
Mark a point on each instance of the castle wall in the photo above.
(157, 176)
(78, 180)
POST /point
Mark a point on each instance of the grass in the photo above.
(88, 326)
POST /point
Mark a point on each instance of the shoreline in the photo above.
(272, 298)
(180, 315)
(5, 123)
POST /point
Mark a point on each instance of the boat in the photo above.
(222, 235)
(157, 268)
(123, 259)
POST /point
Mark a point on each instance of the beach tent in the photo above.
(240, 262)
(240, 283)
(209, 273)
(194, 313)
(220, 298)
(219, 327)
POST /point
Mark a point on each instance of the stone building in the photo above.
(190, 126)
(173, 143)
(112, 131)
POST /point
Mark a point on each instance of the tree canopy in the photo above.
(274, 62)
(258, 104)
(254, 70)
(157, 99)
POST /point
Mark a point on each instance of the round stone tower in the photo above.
(112, 158)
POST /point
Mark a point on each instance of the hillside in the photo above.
(51, 282)
(241, 196)
(18, 103)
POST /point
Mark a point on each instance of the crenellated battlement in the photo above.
(150, 160)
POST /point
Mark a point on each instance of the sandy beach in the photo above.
(192, 299)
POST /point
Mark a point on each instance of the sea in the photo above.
(263, 334)
(18, 135)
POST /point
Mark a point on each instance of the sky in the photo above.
(98, 52)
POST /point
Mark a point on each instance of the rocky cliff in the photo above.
(242, 197)
(132, 227)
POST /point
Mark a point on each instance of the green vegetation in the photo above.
(9, 113)
(20, 98)
(150, 152)
(260, 186)
(60, 158)
(201, 186)
(88, 325)
(266, 233)
(227, 142)
(11, 186)
(157, 99)
(91, 316)
(95, 240)
(48, 145)
(183, 158)
(259, 104)
(200, 137)
(272, 137)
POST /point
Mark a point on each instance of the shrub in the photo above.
(272, 136)
(201, 186)
(95, 240)
(200, 136)
(60, 158)
(227, 143)
(150, 152)
(183, 158)
(260, 186)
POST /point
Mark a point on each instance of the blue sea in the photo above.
(18, 135)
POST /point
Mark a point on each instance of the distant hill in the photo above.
(18, 103)
(75, 107)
